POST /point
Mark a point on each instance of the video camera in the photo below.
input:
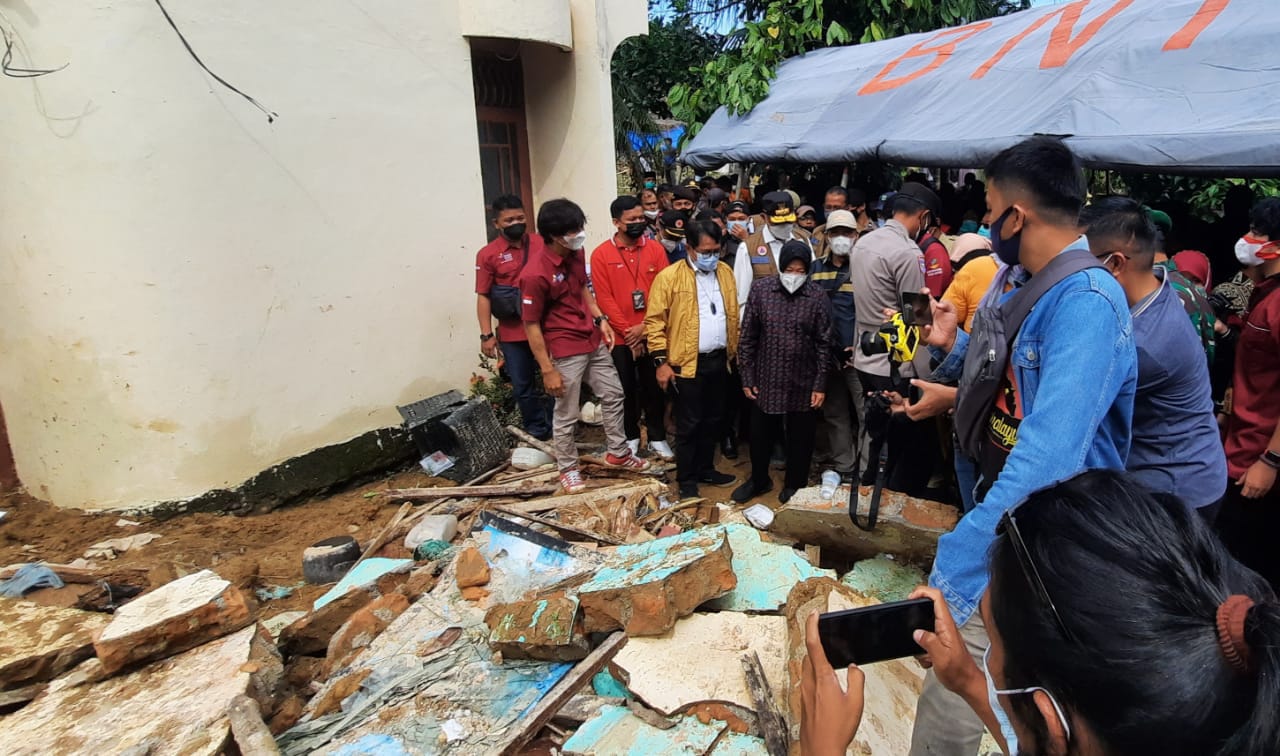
(895, 338)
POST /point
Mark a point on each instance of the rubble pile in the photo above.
(484, 617)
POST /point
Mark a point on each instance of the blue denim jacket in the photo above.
(1077, 369)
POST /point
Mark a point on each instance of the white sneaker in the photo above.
(634, 445)
(662, 449)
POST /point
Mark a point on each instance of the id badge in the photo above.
(637, 300)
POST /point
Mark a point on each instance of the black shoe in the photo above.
(745, 492)
(785, 495)
(716, 478)
(688, 490)
(729, 448)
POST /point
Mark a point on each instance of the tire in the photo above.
(328, 560)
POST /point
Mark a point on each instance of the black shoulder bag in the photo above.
(504, 301)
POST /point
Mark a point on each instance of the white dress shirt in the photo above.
(713, 332)
(743, 275)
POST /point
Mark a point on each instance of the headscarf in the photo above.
(1194, 265)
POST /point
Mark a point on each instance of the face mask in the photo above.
(1006, 249)
(707, 261)
(650, 184)
(669, 244)
(841, 245)
(1006, 727)
(1248, 251)
(576, 242)
(635, 230)
(652, 214)
(924, 229)
(736, 225)
(792, 281)
(514, 232)
(781, 231)
(984, 232)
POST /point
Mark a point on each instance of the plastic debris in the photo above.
(432, 528)
(759, 515)
(113, 547)
(277, 592)
(28, 578)
(437, 462)
(430, 551)
(526, 458)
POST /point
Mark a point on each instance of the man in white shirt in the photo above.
(758, 254)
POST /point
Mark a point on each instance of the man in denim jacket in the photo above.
(1066, 404)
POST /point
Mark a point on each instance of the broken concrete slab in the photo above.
(522, 560)
(907, 528)
(644, 588)
(177, 616)
(615, 730)
(364, 625)
(766, 572)
(547, 629)
(884, 578)
(174, 706)
(311, 633)
(39, 643)
(279, 622)
(701, 660)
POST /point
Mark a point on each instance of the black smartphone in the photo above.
(874, 633)
(917, 309)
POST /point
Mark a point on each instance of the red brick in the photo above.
(471, 569)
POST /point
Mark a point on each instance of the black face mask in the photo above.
(514, 232)
(636, 230)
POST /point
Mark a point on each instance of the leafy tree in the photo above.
(771, 31)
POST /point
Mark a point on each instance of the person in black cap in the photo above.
(784, 356)
(684, 199)
(758, 255)
(671, 225)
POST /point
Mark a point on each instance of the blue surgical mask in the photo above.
(707, 261)
(993, 697)
(734, 224)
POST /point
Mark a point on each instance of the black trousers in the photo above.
(914, 446)
(699, 404)
(640, 390)
(767, 430)
(735, 413)
(1248, 527)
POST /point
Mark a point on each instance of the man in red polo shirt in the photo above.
(498, 266)
(1250, 516)
(622, 272)
(565, 328)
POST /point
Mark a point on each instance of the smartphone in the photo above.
(874, 633)
(917, 309)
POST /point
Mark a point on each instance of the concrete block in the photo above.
(766, 572)
(884, 579)
(907, 528)
(180, 615)
(644, 588)
(547, 629)
(174, 706)
(39, 643)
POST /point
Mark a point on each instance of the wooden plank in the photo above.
(558, 696)
(464, 492)
(772, 726)
(562, 527)
(384, 535)
(525, 438)
(80, 575)
(591, 496)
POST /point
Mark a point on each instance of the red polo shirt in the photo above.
(551, 294)
(1255, 393)
(499, 263)
(617, 271)
(937, 269)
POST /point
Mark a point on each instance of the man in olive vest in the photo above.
(758, 255)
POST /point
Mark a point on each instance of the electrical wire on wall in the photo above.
(271, 116)
(7, 67)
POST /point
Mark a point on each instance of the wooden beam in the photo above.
(772, 725)
(569, 685)
(466, 492)
(525, 438)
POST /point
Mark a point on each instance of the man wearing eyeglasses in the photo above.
(1064, 403)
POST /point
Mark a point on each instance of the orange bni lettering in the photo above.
(932, 46)
(1198, 23)
(1061, 44)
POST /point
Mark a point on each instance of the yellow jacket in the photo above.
(671, 321)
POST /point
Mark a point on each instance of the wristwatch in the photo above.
(486, 336)
(601, 319)
(659, 361)
(1271, 459)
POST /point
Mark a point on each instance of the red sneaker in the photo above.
(571, 481)
(629, 462)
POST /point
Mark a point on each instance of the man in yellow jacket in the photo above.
(692, 330)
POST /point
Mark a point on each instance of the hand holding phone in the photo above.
(917, 308)
(875, 633)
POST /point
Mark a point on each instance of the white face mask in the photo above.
(576, 242)
(651, 214)
(738, 224)
(841, 245)
(670, 245)
(1006, 727)
(781, 231)
(792, 281)
(1247, 250)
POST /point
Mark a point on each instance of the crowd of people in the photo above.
(1066, 336)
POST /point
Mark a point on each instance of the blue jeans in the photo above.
(535, 407)
(966, 476)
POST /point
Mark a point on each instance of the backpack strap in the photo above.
(1016, 308)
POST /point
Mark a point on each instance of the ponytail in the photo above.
(1261, 652)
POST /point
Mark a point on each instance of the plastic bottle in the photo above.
(830, 482)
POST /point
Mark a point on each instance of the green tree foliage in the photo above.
(1203, 196)
(771, 31)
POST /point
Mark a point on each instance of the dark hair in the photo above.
(1047, 171)
(640, 194)
(665, 188)
(1265, 218)
(622, 204)
(708, 215)
(1137, 578)
(1120, 220)
(559, 217)
(698, 230)
(857, 197)
(505, 202)
(839, 191)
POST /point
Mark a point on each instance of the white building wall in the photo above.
(189, 294)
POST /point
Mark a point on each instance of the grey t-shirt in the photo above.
(884, 263)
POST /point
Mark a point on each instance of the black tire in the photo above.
(328, 560)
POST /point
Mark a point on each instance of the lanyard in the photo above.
(635, 274)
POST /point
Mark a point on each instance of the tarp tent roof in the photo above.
(1178, 86)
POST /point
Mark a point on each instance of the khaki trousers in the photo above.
(945, 725)
(597, 369)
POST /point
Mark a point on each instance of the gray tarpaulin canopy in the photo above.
(1177, 86)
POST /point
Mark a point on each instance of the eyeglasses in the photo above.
(1009, 525)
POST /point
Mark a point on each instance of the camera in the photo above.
(895, 338)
